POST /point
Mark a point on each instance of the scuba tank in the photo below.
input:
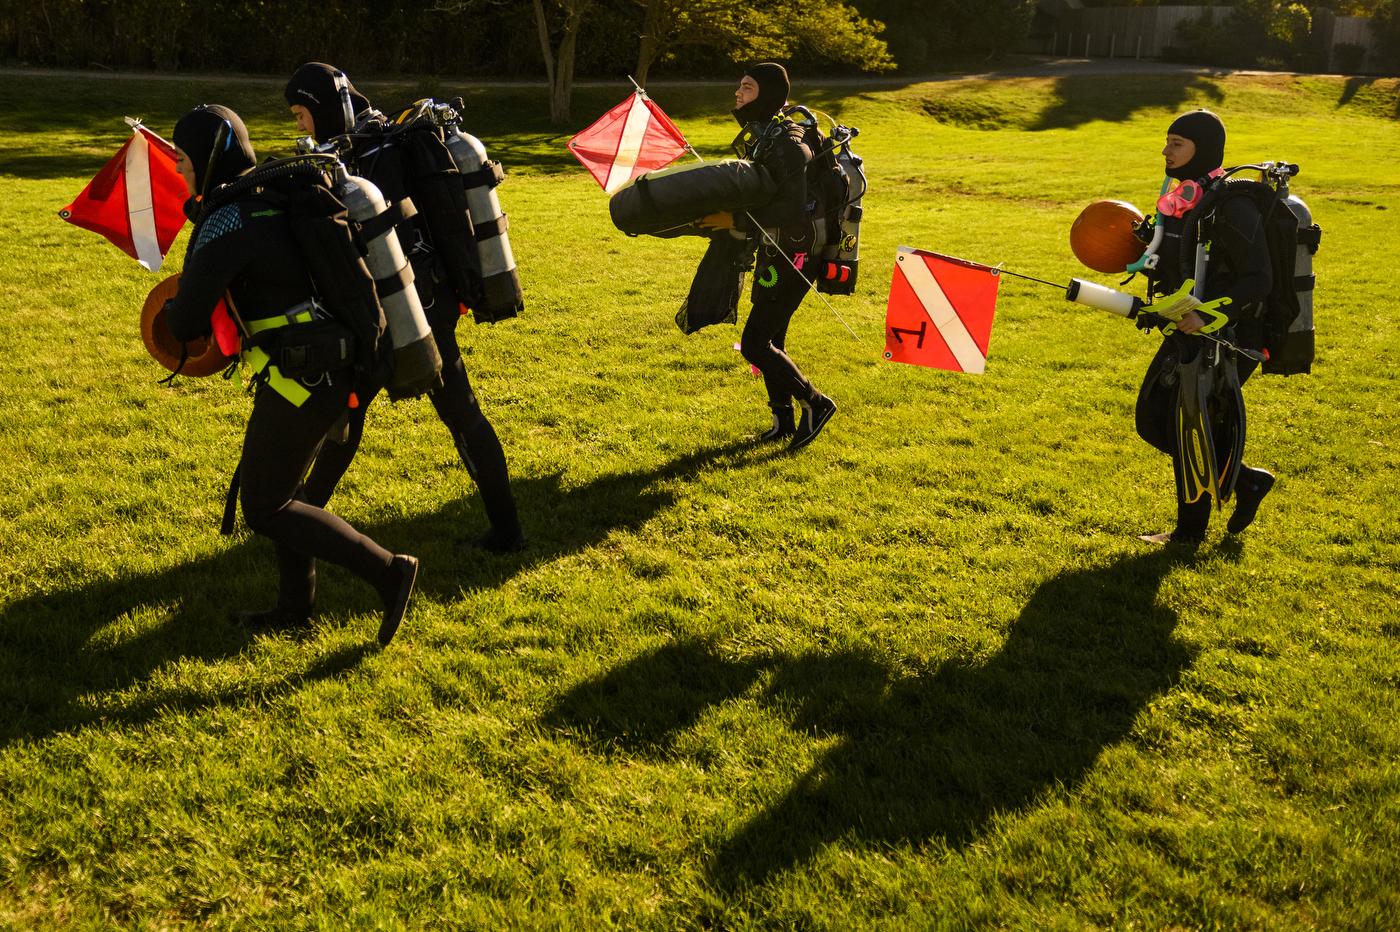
(1286, 312)
(417, 365)
(1298, 354)
(501, 296)
(840, 260)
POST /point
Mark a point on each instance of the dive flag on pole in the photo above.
(137, 200)
(940, 311)
(631, 138)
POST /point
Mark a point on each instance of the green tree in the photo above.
(744, 31)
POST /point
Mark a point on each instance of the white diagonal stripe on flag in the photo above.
(140, 207)
(629, 147)
(950, 326)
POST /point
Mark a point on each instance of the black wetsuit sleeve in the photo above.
(1239, 230)
(786, 160)
(209, 269)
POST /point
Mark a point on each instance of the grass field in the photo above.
(921, 675)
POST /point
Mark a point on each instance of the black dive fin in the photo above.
(1195, 464)
(1227, 428)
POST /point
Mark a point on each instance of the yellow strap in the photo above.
(289, 389)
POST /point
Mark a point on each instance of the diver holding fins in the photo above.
(775, 142)
(316, 103)
(1190, 405)
(242, 250)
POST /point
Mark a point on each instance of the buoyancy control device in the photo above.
(321, 225)
(454, 185)
(1292, 237)
(836, 184)
(840, 260)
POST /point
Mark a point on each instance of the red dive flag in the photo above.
(631, 138)
(137, 200)
(940, 311)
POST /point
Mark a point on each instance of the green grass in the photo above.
(921, 675)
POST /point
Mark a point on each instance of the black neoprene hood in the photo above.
(313, 86)
(1207, 131)
(773, 89)
(195, 135)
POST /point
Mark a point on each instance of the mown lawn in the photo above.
(921, 675)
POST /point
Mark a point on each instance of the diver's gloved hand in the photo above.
(720, 220)
(1178, 304)
(1207, 318)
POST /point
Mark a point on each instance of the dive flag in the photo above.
(940, 311)
(137, 200)
(631, 138)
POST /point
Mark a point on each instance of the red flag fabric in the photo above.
(631, 138)
(136, 200)
(940, 311)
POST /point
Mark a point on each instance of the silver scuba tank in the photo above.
(500, 285)
(417, 364)
(841, 258)
(1301, 330)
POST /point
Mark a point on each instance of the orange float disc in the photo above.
(205, 357)
(1102, 236)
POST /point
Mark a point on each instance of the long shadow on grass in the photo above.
(67, 655)
(926, 757)
(1088, 98)
(557, 519)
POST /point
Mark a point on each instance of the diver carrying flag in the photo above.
(631, 138)
(136, 200)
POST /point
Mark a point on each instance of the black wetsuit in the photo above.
(778, 289)
(1240, 270)
(247, 248)
(455, 402)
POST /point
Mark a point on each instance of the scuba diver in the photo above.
(1238, 277)
(242, 248)
(315, 102)
(784, 238)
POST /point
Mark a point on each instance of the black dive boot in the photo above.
(296, 594)
(1250, 489)
(784, 425)
(481, 453)
(395, 585)
(815, 414)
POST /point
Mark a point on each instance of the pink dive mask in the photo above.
(1179, 200)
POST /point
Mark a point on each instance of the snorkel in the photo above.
(342, 87)
(1149, 255)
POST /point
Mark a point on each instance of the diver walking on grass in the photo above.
(393, 161)
(786, 240)
(1189, 367)
(243, 245)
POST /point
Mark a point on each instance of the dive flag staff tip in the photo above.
(940, 311)
(634, 137)
(137, 200)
